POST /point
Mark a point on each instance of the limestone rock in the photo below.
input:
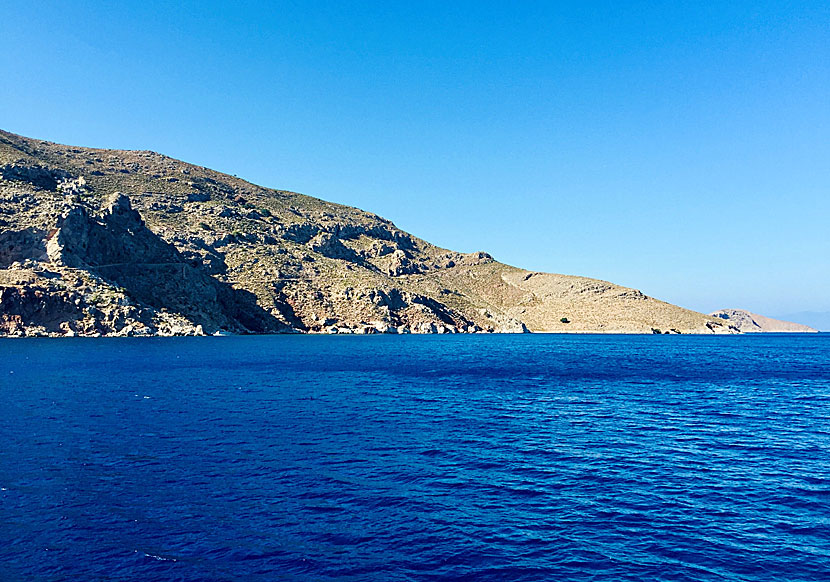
(140, 244)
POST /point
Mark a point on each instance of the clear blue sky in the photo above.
(680, 148)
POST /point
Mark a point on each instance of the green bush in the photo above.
(565, 320)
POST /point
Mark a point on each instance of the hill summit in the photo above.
(114, 242)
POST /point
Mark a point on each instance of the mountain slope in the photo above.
(748, 322)
(113, 242)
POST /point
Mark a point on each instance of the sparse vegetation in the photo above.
(306, 250)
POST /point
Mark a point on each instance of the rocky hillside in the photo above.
(111, 242)
(748, 322)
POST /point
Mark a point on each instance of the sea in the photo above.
(415, 458)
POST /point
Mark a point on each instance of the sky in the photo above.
(681, 148)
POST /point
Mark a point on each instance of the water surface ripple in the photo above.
(530, 457)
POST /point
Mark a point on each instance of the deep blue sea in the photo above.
(487, 457)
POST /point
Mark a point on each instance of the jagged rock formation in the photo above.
(748, 322)
(136, 243)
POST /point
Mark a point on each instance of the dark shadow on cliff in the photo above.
(121, 249)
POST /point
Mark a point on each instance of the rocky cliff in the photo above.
(111, 242)
(747, 322)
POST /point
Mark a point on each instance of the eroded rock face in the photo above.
(117, 246)
(22, 245)
(35, 174)
(225, 254)
(22, 306)
(70, 302)
(115, 238)
(300, 233)
(328, 245)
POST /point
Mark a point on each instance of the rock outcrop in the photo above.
(116, 242)
(748, 322)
